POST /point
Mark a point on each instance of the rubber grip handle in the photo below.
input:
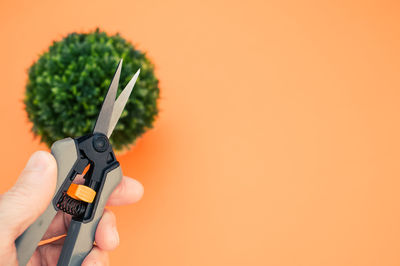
(66, 155)
(80, 237)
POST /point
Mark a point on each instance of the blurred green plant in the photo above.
(68, 83)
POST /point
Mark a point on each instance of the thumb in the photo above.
(31, 194)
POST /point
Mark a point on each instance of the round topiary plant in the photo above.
(68, 83)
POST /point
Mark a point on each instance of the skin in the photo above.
(29, 197)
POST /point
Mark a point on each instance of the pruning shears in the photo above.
(84, 202)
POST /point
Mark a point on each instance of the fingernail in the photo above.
(37, 162)
(116, 235)
(138, 189)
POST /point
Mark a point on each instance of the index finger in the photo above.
(128, 191)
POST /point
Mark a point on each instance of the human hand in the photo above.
(32, 193)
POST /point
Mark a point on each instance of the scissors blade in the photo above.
(121, 102)
(104, 118)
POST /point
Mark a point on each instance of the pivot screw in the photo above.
(100, 143)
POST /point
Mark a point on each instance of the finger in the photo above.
(128, 191)
(47, 254)
(107, 237)
(31, 194)
(59, 225)
(96, 257)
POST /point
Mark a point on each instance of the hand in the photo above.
(32, 193)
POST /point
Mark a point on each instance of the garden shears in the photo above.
(93, 155)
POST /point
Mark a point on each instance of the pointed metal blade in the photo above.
(104, 118)
(121, 102)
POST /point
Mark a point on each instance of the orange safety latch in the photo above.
(81, 192)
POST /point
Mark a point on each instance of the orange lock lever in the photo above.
(81, 192)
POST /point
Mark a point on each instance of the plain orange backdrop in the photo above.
(278, 137)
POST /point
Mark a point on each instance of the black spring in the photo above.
(71, 206)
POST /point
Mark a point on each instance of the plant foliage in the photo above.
(68, 83)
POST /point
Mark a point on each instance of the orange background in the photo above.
(278, 137)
